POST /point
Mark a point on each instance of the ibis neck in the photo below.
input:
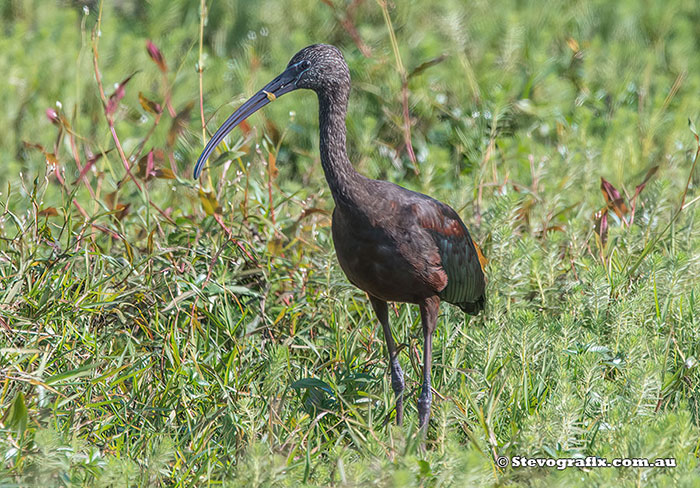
(340, 174)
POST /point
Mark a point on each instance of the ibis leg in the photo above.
(428, 312)
(397, 383)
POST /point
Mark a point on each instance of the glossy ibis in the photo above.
(395, 244)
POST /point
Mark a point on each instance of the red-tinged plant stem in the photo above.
(220, 221)
(161, 212)
(404, 86)
(167, 102)
(78, 164)
(346, 21)
(142, 144)
(81, 209)
(110, 120)
(125, 161)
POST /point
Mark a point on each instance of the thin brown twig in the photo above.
(200, 71)
(407, 123)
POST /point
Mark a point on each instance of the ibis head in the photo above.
(319, 67)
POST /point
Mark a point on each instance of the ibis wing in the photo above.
(460, 257)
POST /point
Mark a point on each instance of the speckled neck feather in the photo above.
(340, 174)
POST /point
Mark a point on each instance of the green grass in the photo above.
(155, 335)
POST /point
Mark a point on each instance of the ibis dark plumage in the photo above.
(395, 244)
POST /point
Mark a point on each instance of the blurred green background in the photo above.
(153, 332)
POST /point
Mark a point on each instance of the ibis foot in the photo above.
(397, 384)
(428, 313)
(424, 402)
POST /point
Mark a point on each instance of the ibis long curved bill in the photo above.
(284, 83)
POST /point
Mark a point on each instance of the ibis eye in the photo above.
(305, 64)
